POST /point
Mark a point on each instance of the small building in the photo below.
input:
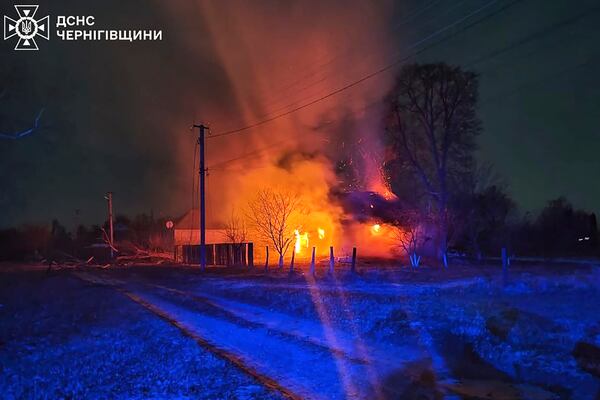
(219, 249)
(187, 230)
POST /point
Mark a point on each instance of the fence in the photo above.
(230, 254)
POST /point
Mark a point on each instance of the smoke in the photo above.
(275, 56)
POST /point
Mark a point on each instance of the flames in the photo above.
(321, 221)
(321, 232)
(376, 240)
(376, 229)
(325, 223)
(305, 240)
(302, 241)
(263, 75)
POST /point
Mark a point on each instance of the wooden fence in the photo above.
(226, 254)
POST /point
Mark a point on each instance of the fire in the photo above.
(376, 229)
(319, 222)
(304, 160)
(321, 233)
(301, 241)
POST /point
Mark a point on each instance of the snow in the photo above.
(379, 333)
(61, 338)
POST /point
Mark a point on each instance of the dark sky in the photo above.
(117, 114)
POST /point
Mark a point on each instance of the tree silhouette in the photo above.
(431, 126)
(274, 215)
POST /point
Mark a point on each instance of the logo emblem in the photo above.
(27, 28)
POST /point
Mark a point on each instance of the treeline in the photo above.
(492, 221)
(36, 242)
(450, 203)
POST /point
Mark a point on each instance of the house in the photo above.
(187, 230)
(219, 249)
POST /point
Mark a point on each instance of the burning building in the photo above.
(328, 154)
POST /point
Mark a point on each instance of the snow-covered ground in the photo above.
(62, 338)
(383, 333)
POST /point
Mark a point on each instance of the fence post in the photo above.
(230, 255)
(331, 260)
(312, 262)
(505, 263)
(251, 255)
(292, 262)
(243, 252)
(267, 260)
(354, 259)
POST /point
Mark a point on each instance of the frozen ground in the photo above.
(62, 338)
(383, 333)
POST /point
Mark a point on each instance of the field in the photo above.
(389, 333)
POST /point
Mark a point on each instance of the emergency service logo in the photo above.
(26, 27)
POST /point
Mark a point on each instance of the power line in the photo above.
(383, 69)
(194, 177)
(246, 155)
(546, 79)
(536, 35)
(219, 165)
(523, 41)
(326, 75)
(520, 42)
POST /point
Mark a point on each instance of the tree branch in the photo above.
(21, 134)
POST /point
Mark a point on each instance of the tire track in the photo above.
(236, 316)
(263, 379)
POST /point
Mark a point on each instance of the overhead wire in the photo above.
(194, 176)
(250, 154)
(515, 44)
(327, 74)
(381, 70)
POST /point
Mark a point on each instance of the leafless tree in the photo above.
(274, 214)
(236, 231)
(410, 234)
(25, 132)
(432, 125)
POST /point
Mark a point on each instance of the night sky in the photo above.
(117, 115)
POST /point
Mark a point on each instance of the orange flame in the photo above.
(302, 241)
(321, 232)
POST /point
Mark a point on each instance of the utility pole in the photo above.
(201, 137)
(108, 197)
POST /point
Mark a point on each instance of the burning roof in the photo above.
(365, 206)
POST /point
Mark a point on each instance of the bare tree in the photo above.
(25, 132)
(236, 230)
(236, 233)
(274, 215)
(432, 125)
(410, 233)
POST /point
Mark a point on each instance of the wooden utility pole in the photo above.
(201, 138)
